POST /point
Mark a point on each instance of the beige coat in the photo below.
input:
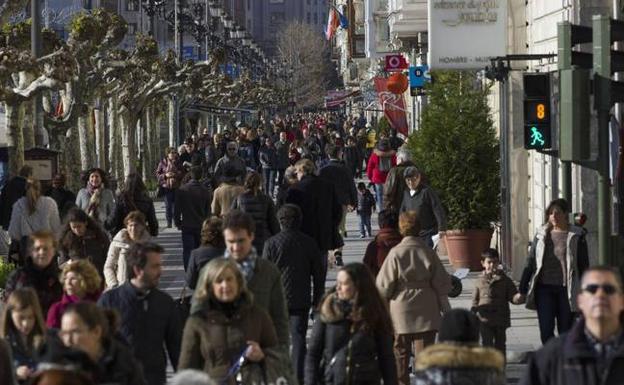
(416, 284)
(223, 197)
(115, 267)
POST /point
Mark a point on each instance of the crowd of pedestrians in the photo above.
(261, 216)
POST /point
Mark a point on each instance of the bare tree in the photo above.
(304, 53)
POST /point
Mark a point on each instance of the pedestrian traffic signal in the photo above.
(537, 129)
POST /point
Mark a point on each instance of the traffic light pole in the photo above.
(564, 34)
(602, 99)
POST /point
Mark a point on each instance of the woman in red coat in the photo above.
(380, 162)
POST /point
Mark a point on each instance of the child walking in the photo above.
(365, 208)
(490, 301)
(23, 328)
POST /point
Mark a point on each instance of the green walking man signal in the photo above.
(537, 129)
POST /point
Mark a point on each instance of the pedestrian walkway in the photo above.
(522, 337)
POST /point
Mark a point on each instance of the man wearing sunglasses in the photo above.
(592, 352)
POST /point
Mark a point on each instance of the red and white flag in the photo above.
(333, 21)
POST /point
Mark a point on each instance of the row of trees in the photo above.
(104, 101)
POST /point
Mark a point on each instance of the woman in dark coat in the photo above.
(352, 334)
(261, 207)
(212, 246)
(134, 197)
(169, 174)
(83, 238)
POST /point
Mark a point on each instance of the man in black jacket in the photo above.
(336, 173)
(149, 320)
(298, 258)
(192, 207)
(12, 192)
(592, 352)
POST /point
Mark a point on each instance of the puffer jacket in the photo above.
(378, 249)
(373, 172)
(45, 282)
(90, 246)
(451, 364)
(577, 261)
(352, 353)
(115, 267)
(212, 341)
(262, 210)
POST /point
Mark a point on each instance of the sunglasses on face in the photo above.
(608, 289)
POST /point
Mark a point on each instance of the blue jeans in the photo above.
(365, 224)
(552, 305)
(269, 181)
(169, 205)
(379, 195)
(190, 241)
(298, 322)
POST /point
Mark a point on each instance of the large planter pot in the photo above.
(465, 247)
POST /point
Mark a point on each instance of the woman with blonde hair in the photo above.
(81, 282)
(21, 325)
(115, 267)
(228, 328)
(31, 213)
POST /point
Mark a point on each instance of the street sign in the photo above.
(419, 76)
(395, 62)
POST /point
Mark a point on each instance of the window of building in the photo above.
(110, 5)
(323, 17)
(248, 5)
(308, 18)
(132, 5)
(315, 18)
(132, 28)
(276, 21)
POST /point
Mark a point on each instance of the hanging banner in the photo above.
(393, 106)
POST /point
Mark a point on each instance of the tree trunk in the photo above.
(100, 135)
(72, 158)
(156, 149)
(113, 138)
(128, 142)
(15, 138)
(28, 130)
(172, 125)
(83, 142)
(148, 134)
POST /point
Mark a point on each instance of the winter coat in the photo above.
(377, 250)
(427, 205)
(106, 207)
(24, 351)
(491, 298)
(89, 247)
(338, 174)
(7, 371)
(379, 164)
(161, 174)
(45, 282)
(116, 267)
(118, 366)
(142, 203)
(53, 319)
(223, 197)
(321, 210)
(365, 203)
(149, 323)
(395, 186)
(577, 261)
(192, 205)
(353, 158)
(268, 157)
(11, 193)
(247, 152)
(569, 359)
(268, 293)
(282, 150)
(212, 154)
(212, 341)
(450, 364)
(416, 284)
(236, 162)
(352, 353)
(45, 217)
(299, 260)
(199, 258)
(64, 199)
(262, 210)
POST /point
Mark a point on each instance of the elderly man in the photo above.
(232, 160)
(395, 182)
(592, 352)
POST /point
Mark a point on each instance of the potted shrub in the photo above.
(457, 149)
(6, 268)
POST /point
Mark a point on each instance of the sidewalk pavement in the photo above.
(522, 337)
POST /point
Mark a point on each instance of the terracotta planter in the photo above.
(465, 247)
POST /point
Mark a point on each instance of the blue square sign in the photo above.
(418, 76)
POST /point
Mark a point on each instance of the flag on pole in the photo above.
(344, 22)
(332, 23)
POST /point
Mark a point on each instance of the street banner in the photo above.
(333, 21)
(395, 62)
(393, 106)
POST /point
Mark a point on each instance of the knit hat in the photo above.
(459, 325)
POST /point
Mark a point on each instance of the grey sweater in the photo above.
(428, 207)
(107, 204)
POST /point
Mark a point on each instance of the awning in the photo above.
(337, 98)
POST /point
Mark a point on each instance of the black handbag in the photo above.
(183, 305)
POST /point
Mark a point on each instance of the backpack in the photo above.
(385, 163)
